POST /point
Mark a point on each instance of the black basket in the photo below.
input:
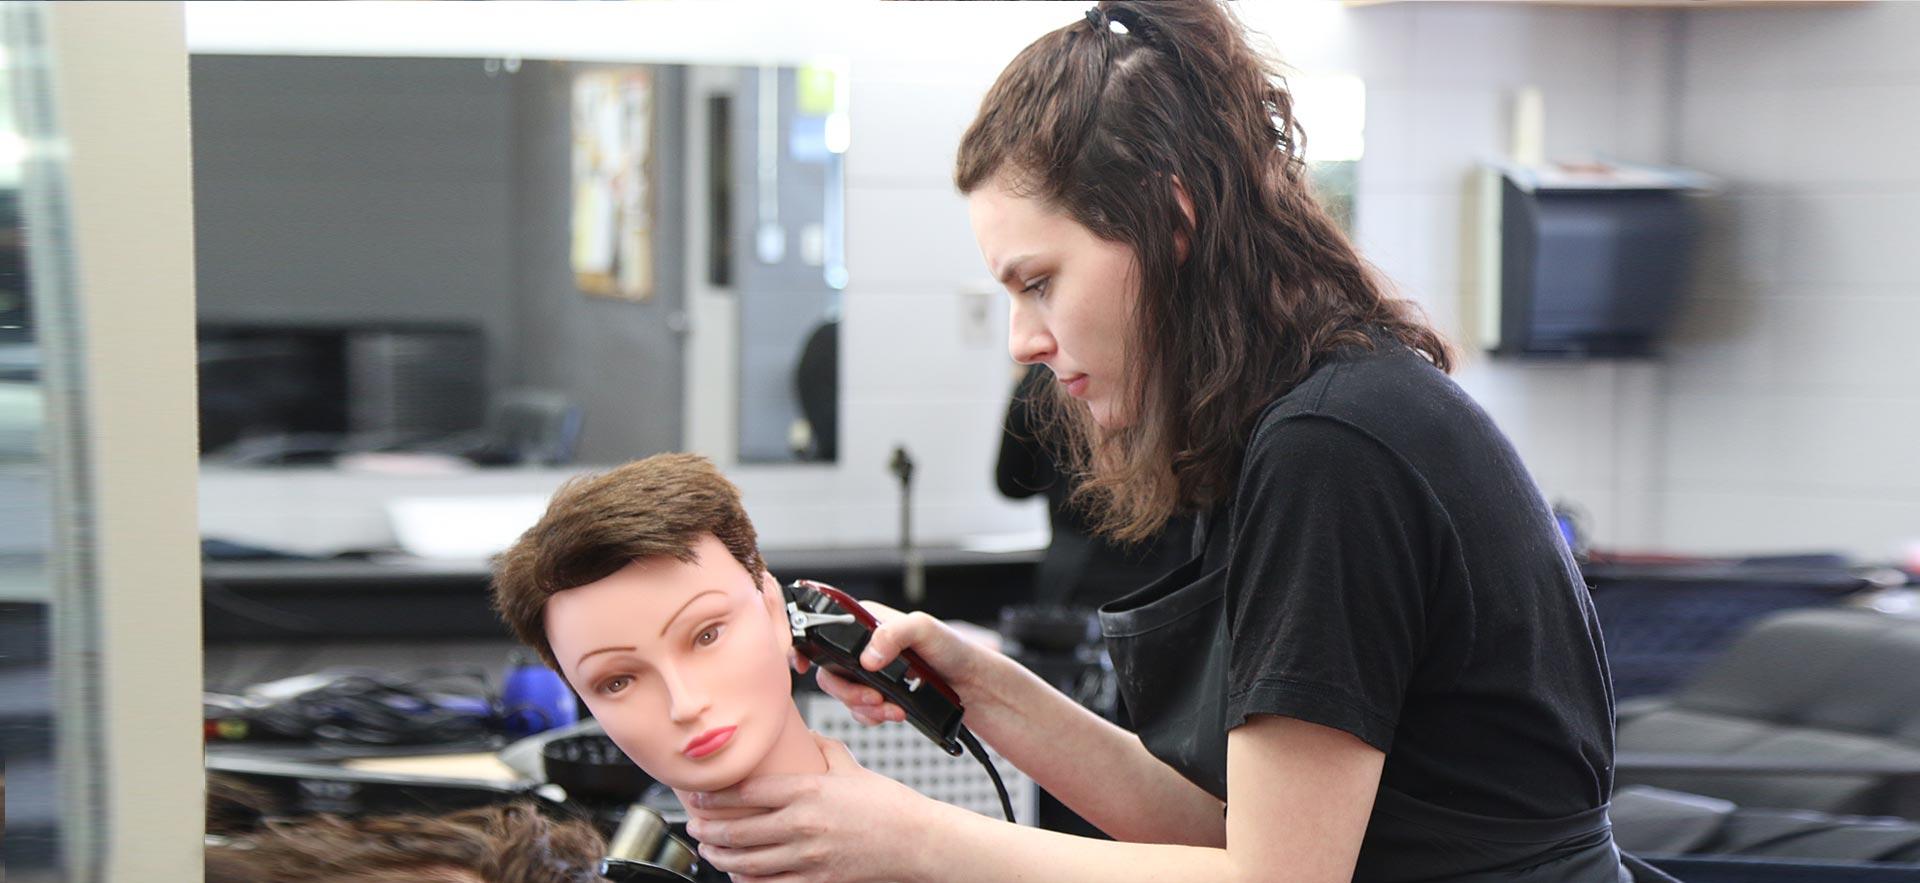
(593, 769)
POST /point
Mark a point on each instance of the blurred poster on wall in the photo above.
(613, 183)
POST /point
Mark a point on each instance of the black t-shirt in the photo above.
(1396, 573)
(1387, 567)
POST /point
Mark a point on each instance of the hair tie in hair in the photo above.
(1097, 19)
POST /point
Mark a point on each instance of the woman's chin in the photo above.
(1105, 416)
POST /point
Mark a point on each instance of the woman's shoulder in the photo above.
(1386, 412)
(1380, 392)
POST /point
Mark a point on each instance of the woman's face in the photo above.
(1073, 296)
(685, 665)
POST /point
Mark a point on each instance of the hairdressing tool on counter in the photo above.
(831, 629)
(914, 566)
(643, 849)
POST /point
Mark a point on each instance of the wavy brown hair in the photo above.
(513, 843)
(1096, 124)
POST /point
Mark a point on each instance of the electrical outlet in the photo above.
(976, 318)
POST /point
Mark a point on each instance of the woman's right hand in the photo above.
(959, 661)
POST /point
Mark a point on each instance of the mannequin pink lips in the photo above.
(708, 742)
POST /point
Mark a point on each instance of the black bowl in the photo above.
(592, 768)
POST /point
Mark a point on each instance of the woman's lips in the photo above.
(708, 742)
(1076, 384)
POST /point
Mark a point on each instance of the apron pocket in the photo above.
(1168, 642)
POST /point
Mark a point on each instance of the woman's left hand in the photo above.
(850, 824)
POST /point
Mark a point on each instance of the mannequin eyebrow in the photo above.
(683, 609)
(663, 629)
(590, 653)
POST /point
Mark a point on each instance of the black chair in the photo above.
(816, 387)
(1664, 621)
(1692, 869)
(1809, 710)
(1653, 821)
(524, 426)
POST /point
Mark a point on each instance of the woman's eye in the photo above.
(707, 636)
(1038, 287)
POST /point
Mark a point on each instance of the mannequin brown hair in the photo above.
(514, 843)
(657, 507)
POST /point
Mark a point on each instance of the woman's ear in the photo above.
(1181, 244)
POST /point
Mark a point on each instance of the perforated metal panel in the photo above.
(902, 754)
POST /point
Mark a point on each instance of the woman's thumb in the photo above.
(884, 644)
(836, 753)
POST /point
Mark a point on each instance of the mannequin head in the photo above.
(644, 589)
(512, 843)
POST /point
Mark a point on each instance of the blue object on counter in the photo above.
(1568, 530)
(535, 698)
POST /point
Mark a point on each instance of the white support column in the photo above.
(119, 72)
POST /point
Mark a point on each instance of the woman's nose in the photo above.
(1027, 339)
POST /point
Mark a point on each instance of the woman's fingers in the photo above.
(751, 862)
(915, 630)
(763, 792)
(866, 703)
(935, 643)
(747, 832)
(881, 611)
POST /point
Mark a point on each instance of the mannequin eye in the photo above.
(707, 635)
(615, 685)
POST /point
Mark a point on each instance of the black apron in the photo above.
(1169, 643)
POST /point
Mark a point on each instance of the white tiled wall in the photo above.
(1438, 80)
(1794, 392)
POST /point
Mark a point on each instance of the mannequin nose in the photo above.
(687, 698)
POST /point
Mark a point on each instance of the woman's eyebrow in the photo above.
(1011, 269)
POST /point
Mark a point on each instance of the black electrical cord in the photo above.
(980, 754)
(379, 709)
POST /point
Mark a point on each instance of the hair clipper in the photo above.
(831, 629)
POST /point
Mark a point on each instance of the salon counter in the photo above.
(402, 597)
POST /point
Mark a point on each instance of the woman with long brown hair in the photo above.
(1380, 664)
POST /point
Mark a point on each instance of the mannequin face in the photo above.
(670, 656)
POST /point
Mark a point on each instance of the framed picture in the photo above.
(613, 183)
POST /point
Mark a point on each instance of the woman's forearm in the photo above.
(1097, 769)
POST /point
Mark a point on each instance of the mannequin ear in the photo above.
(1181, 244)
(775, 602)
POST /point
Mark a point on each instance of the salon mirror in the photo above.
(440, 263)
